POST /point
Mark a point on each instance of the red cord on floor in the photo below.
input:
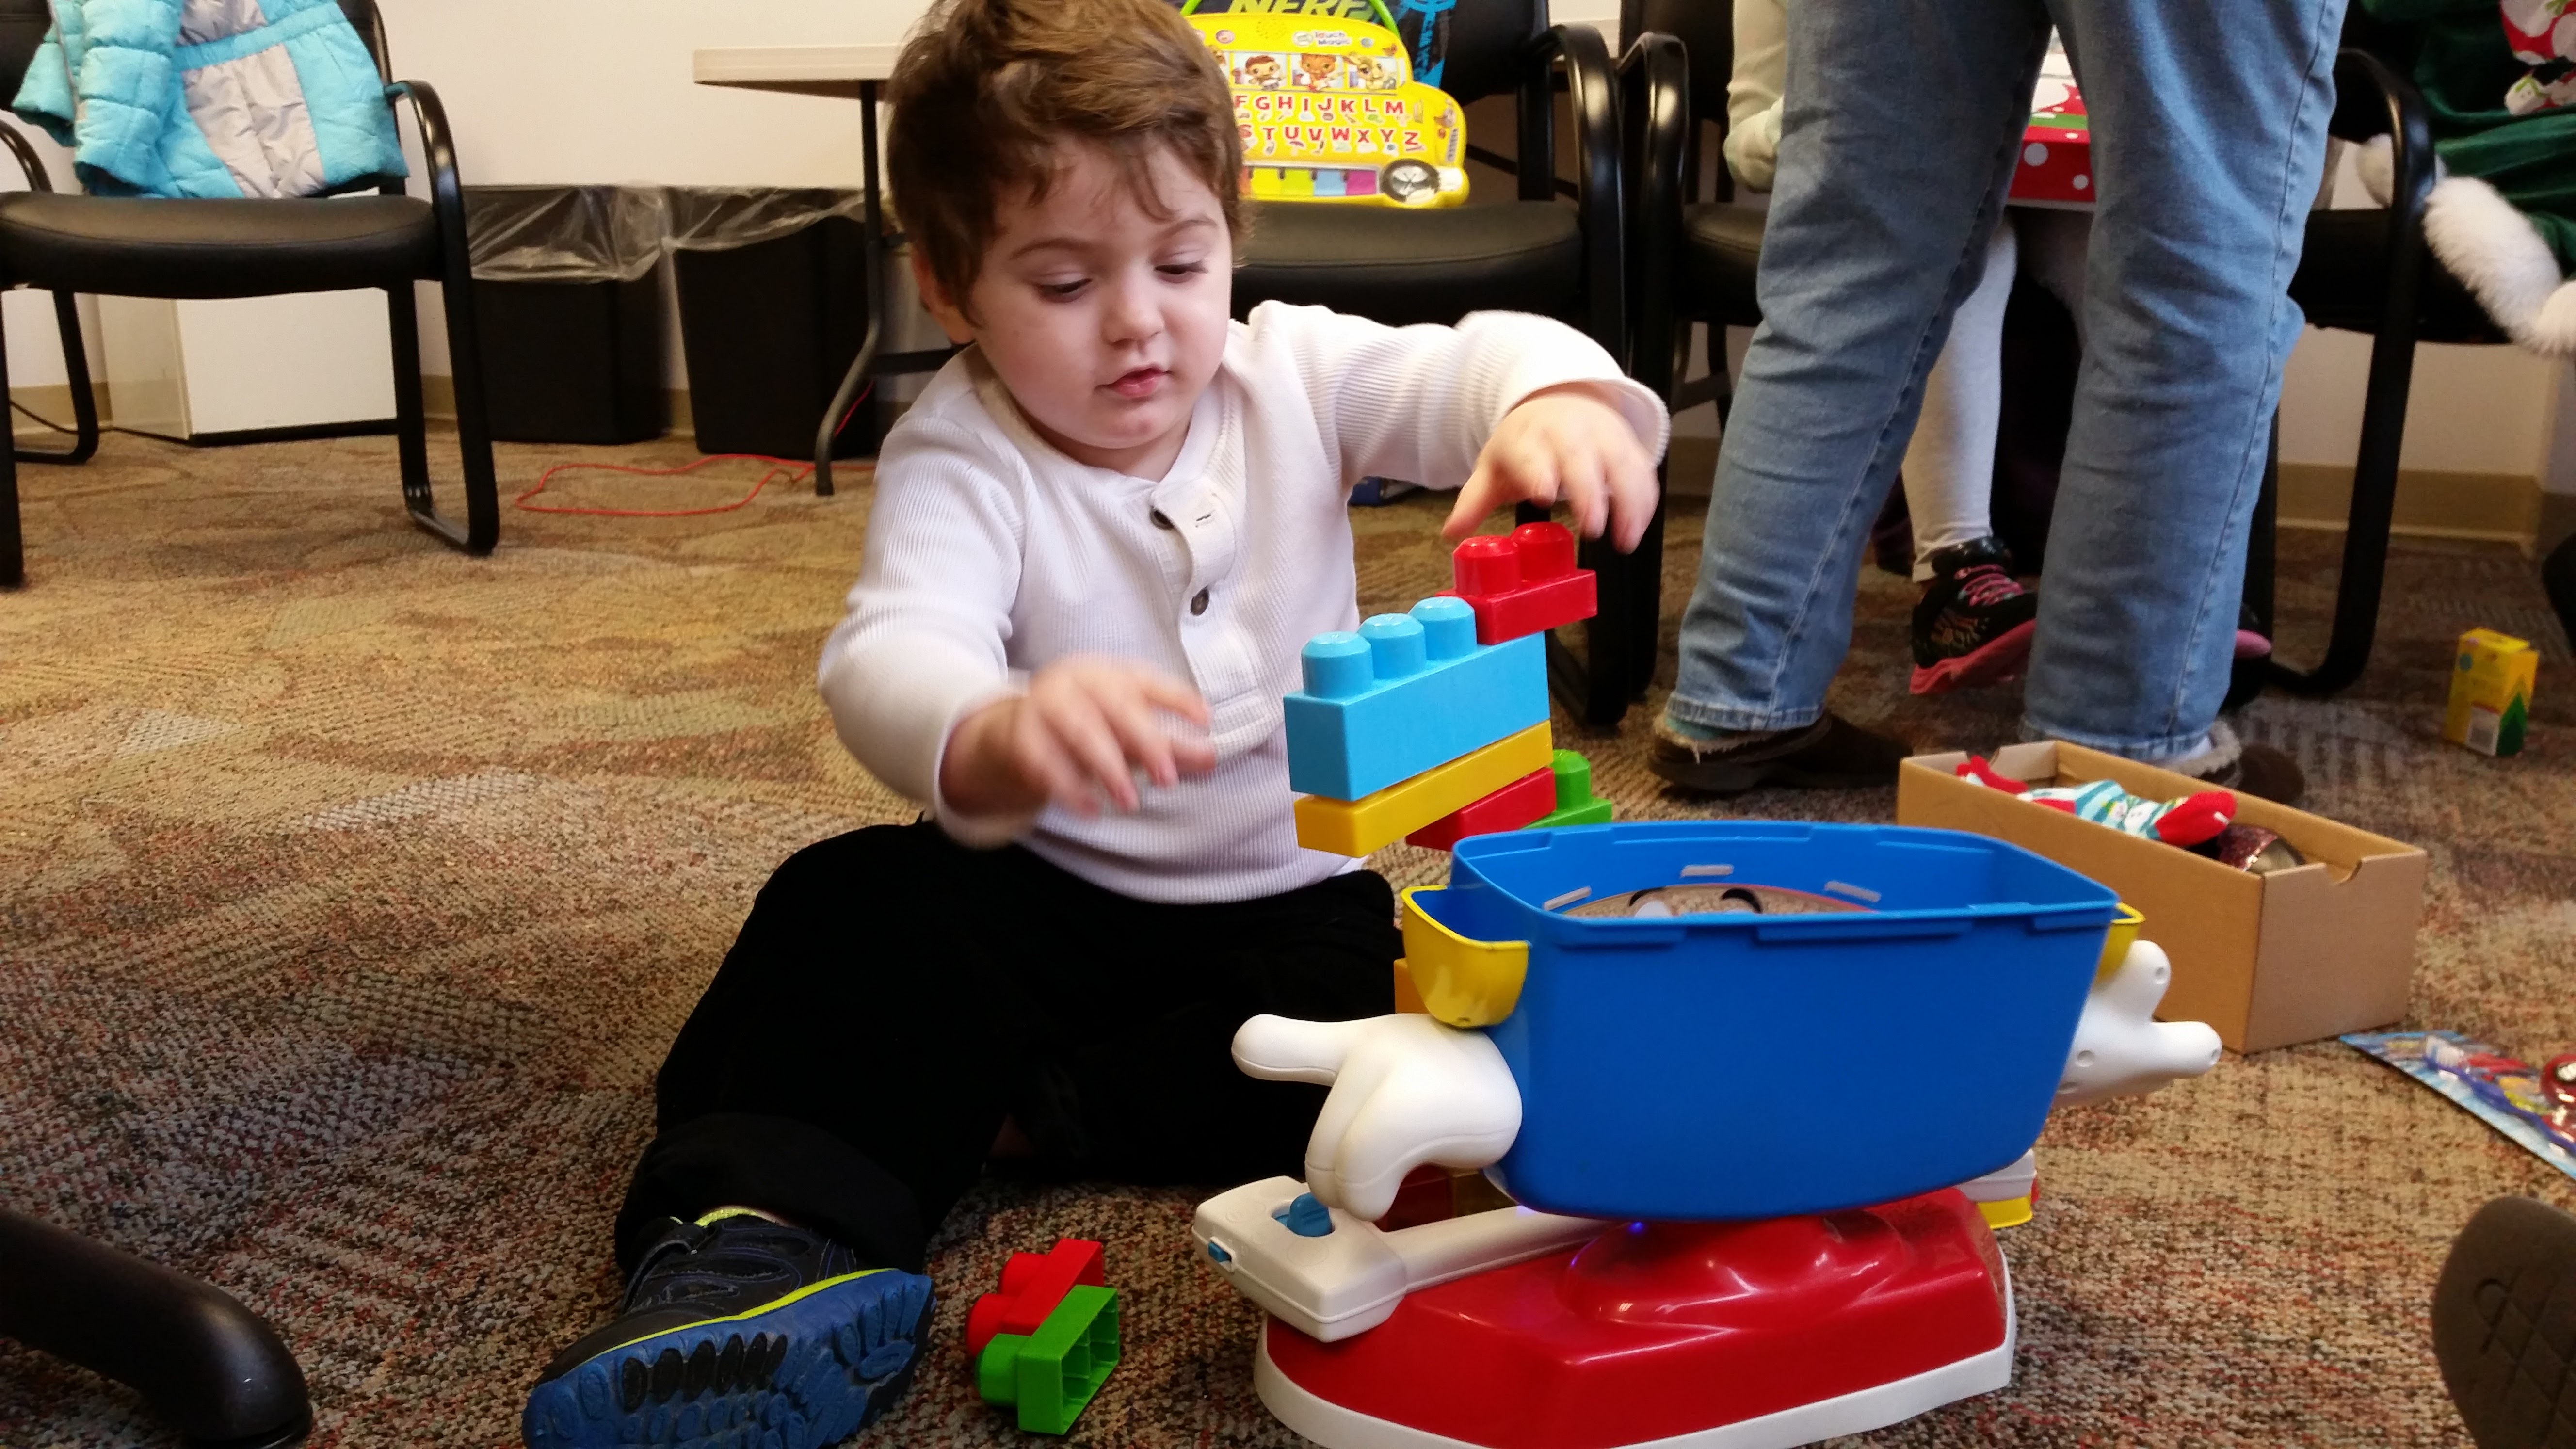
(781, 469)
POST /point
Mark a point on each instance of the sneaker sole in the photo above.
(827, 1363)
(1709, 777)
(1995, 662)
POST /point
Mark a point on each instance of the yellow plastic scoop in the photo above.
(2115, 946)
(1462, 982)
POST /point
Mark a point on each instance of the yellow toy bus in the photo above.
(1330, 111)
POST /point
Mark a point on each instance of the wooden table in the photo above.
(848, 72)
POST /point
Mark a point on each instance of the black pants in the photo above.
(894, 996)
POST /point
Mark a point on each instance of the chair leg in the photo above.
(2365, 541)
(482, 527)
(84, 404)
(13, 563)
(411, 428)
(473, 419)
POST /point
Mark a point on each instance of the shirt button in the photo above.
(1199, 605)
(1159, 520)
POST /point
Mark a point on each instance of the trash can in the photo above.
(773, 305)
(568, 295)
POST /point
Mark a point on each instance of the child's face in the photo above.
(1105, 321)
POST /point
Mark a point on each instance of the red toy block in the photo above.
(1509, 808)
(1523, 582)
(1032, 1285)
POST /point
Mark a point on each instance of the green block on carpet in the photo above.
(1051, 1375)
(1575, 802)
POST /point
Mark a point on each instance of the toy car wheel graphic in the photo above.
(1410, 182)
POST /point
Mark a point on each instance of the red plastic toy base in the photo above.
(1523, 582)
(1677, 1335)
(1509, 808)
(1032, 1285)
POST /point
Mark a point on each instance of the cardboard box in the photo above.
(2267, 960)
(2491, 679)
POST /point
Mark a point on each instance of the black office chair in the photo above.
(207, 249)
(207, 1366)
(1535, 254)
(1693, 261)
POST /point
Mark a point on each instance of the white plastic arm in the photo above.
(2120, 1048)
(1406, 1091)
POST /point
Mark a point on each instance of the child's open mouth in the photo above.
(1142, 382)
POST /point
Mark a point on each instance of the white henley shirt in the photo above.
(990, 553)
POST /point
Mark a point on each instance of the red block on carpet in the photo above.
(1522, 582)
(1032, 1285)
(1509, 808)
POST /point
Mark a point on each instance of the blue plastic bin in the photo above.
(1753, 1066)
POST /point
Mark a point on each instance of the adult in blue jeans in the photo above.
(1898, 139)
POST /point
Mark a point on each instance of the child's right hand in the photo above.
(1078, 738)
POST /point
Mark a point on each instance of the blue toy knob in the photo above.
(1306, 1217)
(1336, 665)
(1448, 626)
(1395, 644)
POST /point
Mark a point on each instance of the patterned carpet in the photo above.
(350, 890)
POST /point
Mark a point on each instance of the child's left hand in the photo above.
(1567, 444)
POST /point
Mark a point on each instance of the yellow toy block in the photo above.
(1358, 827)
(1460, 981)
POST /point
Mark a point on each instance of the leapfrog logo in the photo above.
(1320, 37)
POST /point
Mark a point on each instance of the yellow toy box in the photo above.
(1330, 111)
(2491, 678)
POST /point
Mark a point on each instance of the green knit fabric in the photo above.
(2459, 59)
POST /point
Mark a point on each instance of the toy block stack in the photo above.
(1432, 726)
(1046, 1342)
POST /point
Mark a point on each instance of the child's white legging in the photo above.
(1950, 464)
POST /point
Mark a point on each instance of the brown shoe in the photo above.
(1832, 753)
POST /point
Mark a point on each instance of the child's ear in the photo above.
(935, 300)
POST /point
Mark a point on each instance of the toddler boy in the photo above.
(1100, 538)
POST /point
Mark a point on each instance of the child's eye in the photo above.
(1059, 291)
(1182, 269)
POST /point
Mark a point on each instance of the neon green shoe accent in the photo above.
(771, 1306)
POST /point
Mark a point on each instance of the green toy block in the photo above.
(1050, 1375)
(1575, 803)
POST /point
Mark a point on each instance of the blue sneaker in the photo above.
(737, 1333)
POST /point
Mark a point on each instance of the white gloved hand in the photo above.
(2120, 1048)
(1406, 1091)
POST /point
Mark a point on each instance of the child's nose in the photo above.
(1132, 315)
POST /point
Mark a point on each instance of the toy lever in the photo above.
(2120, 1048)
(1406, 1091)
(1349, 1279)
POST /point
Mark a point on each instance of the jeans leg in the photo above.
(2208, 121)
(1897, 142)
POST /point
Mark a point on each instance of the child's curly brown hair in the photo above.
(985, 91)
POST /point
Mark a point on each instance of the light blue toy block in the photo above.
(1405, 693)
